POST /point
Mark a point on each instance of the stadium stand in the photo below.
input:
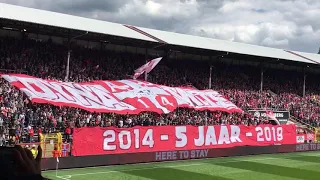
(22, 121)
(44, 60)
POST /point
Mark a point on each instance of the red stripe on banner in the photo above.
(98, 141)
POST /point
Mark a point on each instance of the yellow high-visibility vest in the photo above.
(34, 153)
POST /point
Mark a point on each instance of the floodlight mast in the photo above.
(69, 54)
(210, 72)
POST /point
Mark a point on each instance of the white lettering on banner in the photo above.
(181, 97)
(137, 138)
(303, 147)
(113, 86)
(167, 155)
(224, 137)
(235, 134)
(199, 153)
(307, 147)
(110, 138)
(62, 95)
(205, 100)
(199, 99)
(148, 139)
(206, 137)
(219, 100)
(181, 136)
(209, 137)
(123, 96)
(178, 155)
(124, 138)
(92, 96)
(29, 85)
(269, 134)
(107, 99)
(85, 97)
(200, 141)
(192, 95)
(143, 91)
(165, 101)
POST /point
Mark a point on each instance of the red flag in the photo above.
(146, 68)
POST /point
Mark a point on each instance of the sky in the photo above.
(285, 24)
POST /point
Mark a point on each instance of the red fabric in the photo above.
(98, 141)
(122, 96)
(56, 153)
(31, 132)
(68, 130)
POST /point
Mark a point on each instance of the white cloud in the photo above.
(164, 9)
(288, 24)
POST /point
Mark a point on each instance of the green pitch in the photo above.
(290, 166)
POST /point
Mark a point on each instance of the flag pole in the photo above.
(57, 166)
(210, 75)
(145, 73)
(145, 76)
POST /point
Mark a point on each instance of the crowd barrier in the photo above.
(131, 158)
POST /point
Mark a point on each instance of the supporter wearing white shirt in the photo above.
(89, 118)
(129, 121)
(2, 139)
(1, 122)
(120, 123)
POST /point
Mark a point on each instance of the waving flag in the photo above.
(146, 68)
(272, 116)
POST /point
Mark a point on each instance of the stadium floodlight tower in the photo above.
(69, 54)
(210, 72)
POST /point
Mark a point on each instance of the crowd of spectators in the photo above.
(21, 120)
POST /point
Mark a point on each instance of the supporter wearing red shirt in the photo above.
(56, 153)
(39, 130)
(67, 133)
(31, 134)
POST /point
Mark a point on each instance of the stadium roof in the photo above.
(42, 17)
(234, 47)
(49, 18)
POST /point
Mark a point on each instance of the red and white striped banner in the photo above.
(122, 97)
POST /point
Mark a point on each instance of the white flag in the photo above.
(57, 159)
(146, 68)
(272, 116)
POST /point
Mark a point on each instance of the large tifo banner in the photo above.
(122, 97)
(98, 141)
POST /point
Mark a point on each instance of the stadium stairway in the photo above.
(300, 123)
